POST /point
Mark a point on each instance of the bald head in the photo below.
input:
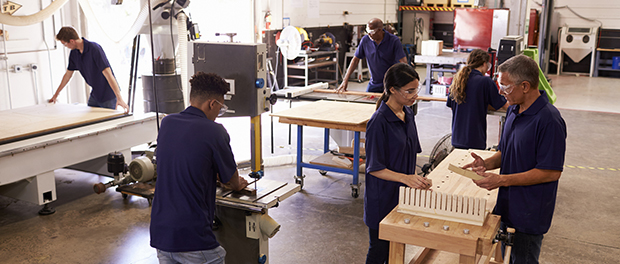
(375, 23)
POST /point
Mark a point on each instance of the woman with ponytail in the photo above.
(471, 95)
(391, 147)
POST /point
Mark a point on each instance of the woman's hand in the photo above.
(416, 181)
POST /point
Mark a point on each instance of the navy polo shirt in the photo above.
(392, 144)
(469, 119)
(91, 64)
(191, 151)
(533, 139)
(380, 58)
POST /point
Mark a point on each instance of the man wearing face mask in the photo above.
(193, 152)
(381, 50)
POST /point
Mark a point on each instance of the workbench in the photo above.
(329, 115)
(36, 140)
(471, 242)
(446, 58)
(322, 61)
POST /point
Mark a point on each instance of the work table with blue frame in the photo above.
(329, 115)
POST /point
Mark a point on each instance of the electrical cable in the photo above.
(153, 65)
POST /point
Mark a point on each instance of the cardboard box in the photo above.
(432, 47)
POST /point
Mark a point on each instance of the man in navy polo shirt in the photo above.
(530, 158)
(89, 58)
(193, 152)
(381, 50)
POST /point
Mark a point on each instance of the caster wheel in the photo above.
(125, 196)
(322, 172)
(355, 193)
(300, 181)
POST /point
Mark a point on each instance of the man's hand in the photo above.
(52, 100)
(417, 182)
(241, 184)
(490, 181)
(477, 165)
(122, 103)
(343, 87)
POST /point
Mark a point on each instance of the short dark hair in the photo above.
(521, 68)
(67, 33)
(206, 86)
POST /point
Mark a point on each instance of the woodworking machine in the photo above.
(242, 223)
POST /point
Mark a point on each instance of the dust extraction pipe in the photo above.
(34, 18)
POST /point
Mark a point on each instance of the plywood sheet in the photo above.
(340, 113)
(33, 120)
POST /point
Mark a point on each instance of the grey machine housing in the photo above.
(243, 66)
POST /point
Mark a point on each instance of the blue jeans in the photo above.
(212, 256)
(379, 250)
(525, 249)
(107, 104)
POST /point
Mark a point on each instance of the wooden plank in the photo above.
(349, 150)
(420, 98)
(321, 124)
(44, 118)
(327, 159)
(464, 172)
(331, 112)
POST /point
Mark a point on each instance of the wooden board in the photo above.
(464, 172)
(329, 114)
(376, 95)
(327, 159)
(44, 118)
(330, 111)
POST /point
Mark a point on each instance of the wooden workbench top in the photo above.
(329, 114)
(33, 120)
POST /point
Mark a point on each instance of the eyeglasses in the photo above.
(507, 89)
(223, 109)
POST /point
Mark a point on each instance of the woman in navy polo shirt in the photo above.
(391, 147)
(471, 95)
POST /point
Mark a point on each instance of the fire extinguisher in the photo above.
(268, 20)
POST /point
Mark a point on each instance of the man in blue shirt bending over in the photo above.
(381, 50)
(89, 58)
(193, 152)
(530, 157)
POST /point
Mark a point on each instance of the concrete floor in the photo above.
(323, 223)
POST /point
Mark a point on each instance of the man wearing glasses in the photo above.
(381, 50)
(193, 152)
(530, 157)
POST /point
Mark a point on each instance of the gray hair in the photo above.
(521, 68)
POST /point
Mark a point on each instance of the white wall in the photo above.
(606, 11)
(321, 13)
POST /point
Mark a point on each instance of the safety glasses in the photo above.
(409, 93)
(371, 31)
(223, 109)
(507, 89)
